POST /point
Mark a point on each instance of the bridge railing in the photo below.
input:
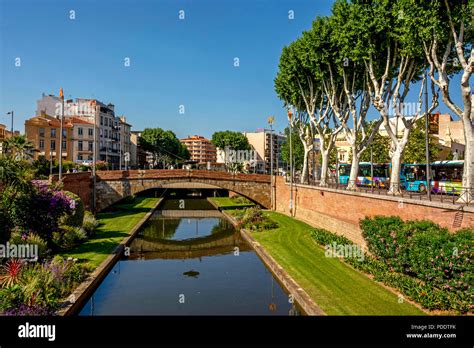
(180, 173)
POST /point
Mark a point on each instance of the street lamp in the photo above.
(94, 156)
(11, 113)
(427, 139)
(290, 119)
(61, 95)
(271, 120)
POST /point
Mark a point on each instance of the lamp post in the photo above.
(11, 113)
(61, 95)
(271, 120)
(427, 140)
(290, 117)
(94, 157)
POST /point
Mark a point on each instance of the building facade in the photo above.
(112, 132)
(138, 156)
(44, 132)
(261, 141)
(202, 150)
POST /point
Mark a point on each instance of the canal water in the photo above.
(189, 260)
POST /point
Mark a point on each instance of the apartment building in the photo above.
(202, 150)
(113, 133)
(138, 156)
(261, 141)
(44, 132)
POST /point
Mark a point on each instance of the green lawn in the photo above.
(336, 287)
(228, 203)
(113, 228)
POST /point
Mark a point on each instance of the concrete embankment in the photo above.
(81, 294)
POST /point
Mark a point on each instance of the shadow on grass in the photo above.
(121, 213)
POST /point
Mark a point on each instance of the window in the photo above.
(41, 144)
(91, 146)
(102, 120)
(91, 132)
(53, 132)
(79, 157)
(64, 133)
(41, 132)
(80, 145)
(64, 145)
(53, 145)
(80, 131)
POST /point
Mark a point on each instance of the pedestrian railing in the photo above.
(461, 196)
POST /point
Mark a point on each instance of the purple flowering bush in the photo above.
(41, 209)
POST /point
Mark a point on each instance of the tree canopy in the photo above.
(163, 145)
(231, 140)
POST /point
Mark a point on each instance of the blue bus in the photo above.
(446, 177)
(380, 179)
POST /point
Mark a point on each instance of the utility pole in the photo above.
(120, 147)
(372, 169)
(427, 139)
(290, 117)
(61, 95)
(94, 158)
(271, 119)
(11, 113)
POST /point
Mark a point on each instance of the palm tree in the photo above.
(15, 178)
(19, 147)
(15, 175)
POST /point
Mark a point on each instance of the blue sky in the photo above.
(173, 62)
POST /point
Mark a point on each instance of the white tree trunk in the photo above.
(324, 168)
(352, 183)
(396, 161)
(305, 171)
(467, 194)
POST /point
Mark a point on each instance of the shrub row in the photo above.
(253, 219)
(423, 250)
(417, 290)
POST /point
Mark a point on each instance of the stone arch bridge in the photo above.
(112, 186)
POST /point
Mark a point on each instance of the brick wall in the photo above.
(80, 184)
(340, 212)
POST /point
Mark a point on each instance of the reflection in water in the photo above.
(191, 273)
(189, 266)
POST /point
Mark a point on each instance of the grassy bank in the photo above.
(230, 203)
(335, 286)
(114, 226)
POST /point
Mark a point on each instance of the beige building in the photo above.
(83, 140)
(43, 131)
(109, 126)
(261, 142)
(125, 145)
(202, 150)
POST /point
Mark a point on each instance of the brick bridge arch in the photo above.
(112, 186)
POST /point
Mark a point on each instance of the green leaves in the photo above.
(230, 139)
(164, 145)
